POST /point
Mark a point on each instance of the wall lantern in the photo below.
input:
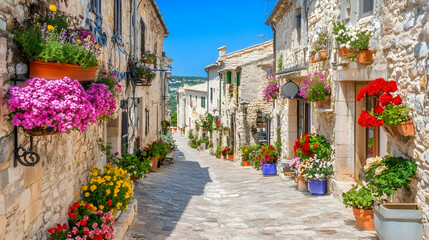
(290, 90)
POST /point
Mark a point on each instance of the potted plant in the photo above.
(254, 153)
(268, 157)
(320, 45)
(219, 152)
(317, 88)
(393, 220)
(341, 37)
(226, 130)
(227, 153)
(360, 198)
(271, 91)
(211, 147)
(144, 73)
(305, 149)
(79, 107)
(253, 129)
(245, 152)
(203, 143)
(390, 113)
(316, 174)
(148, 57)
(261, 122)
(207, 122)
(56, 46)
(231, 90)
(359, 45)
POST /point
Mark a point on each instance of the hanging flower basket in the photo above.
(54, 70)
(261, 124)
(392, 130)
(324, 104)
(365, 57)
(318, 56)
(37, 132)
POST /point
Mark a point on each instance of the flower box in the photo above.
(54, 70)
(406, 128)
(319, 56)
(261, 124)
(344, 52)
(397, 221)
(365, 57)
(45, 131)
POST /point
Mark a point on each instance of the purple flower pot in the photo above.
(269, 169)
(317, 187)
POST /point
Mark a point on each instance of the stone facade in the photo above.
(400, 35)
(246, 70)
(33, 199)
(191, 106)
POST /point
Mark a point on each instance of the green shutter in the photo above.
(228, 77)
(237, 78)
(203, 102)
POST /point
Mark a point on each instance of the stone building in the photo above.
(34, 199)
(236, 81)
(400, 37)
(191, 106)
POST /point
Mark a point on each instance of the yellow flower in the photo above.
(53, 8)
(107, 178)
(101, 207)
(118, 205)
(78, 41)
(96, 46)
(116, 190)
(87, 194)
(84, 187)
(93, 187)
(108, 191)
(111, 183)
(51, 28)
(115, 195)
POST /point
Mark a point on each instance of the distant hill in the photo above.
(179, 81)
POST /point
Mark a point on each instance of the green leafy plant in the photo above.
(207, 122)
(359, 196)
(317, 169)
(190, 135)
(253, 129)
(320, 41)
(231, 90)
(219, 150)
(148, 57)
(316, 87)
(280, 63)
(395, 114)
(278, 145)
(388, 174)
(360, 40)
(142, 71)
(165, 126)
(340, 33)
(210, 144)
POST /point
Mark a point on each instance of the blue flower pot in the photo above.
(269, 169)
(317, 187)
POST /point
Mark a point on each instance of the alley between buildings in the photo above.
(201, 197)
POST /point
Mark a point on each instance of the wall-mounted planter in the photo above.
(324, 104)
(344, 52)
(262, 124)
(406, 128)
(54, 71)
(398, 221)
(319, 56)
(365, 57)
(37, 132)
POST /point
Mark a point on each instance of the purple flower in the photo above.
(116, 154)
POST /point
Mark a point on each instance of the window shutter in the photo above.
(228, 77)
(142, 36)
(120, 18)
(237, 79)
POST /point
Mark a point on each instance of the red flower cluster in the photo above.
(302, 145)
(58, 229)
(382, 90)
(226, 151)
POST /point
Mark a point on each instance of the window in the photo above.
(96, 7)
(117, 18)
(142, 36)
(304, 117)
(211, 95)
(372, 136)
(146, 129)
(366, 8)
(124, 122)
(238, 79)
(298, 26)
(203, 102)
(190, 98)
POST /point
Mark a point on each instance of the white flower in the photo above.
(380, 170)
(316, 175)
(348, 45)
(342, 45)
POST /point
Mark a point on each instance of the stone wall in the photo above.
(400, 38)
(33, 199)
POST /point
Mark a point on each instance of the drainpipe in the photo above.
(208, 90)
(130, 28)
(135, 26)
(274, 47)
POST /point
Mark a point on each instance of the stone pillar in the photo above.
(344, 130)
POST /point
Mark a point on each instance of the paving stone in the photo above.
(201, 197)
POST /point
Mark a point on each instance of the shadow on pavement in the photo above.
(164, 195)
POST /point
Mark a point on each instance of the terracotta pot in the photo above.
(324, 104)
(364, 219)
(163, 162)
(365, 57)
(154, 164)
(322, 54)
(261, 124)
(271, 100)
(54, 70)
(219, 156)
(301, 184)
(37, 132)
(392, 130)
(406, 128)
(147, 171)
(344, 52)
(312, 58)
(246, 163)
(134, 178)
(230, 157)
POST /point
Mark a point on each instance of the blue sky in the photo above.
(199, 27)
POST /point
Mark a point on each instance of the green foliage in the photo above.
(219, 150)
(148, 57)
(280, 63)
(28, 41)
(360, 41)
(278, 145)
(174, 119)
(204, 140)
(389, 174)
(210, 144)
(190, 135)
(165, 126)
(394, 114)
(193, 144)
(359, 196)
(207, 122)
(157, 148)
(321, 42)
(144, 72)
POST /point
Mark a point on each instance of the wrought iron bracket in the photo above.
(23, 156)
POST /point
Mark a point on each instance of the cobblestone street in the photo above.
(201, 197)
